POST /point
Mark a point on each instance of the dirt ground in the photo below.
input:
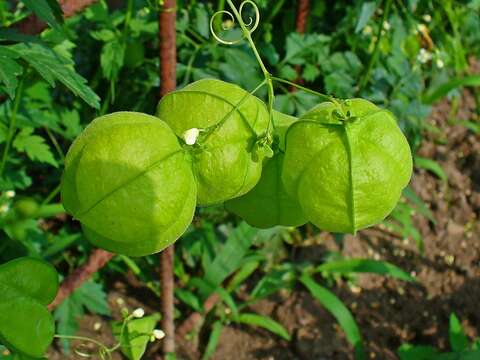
(388, 312)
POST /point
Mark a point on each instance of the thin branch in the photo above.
(97, 260)
(195, 319)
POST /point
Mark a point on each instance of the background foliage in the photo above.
(403, 55)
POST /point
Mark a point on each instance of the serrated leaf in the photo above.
(111, 58)
(47, 10)
(9, 70)
(136, 335)
(90, 296)
(51, 66)
(263, 322)
(93, 297)
(34, 146)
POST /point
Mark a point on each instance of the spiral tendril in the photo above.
(251, 26)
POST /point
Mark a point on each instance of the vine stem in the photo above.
(268, 77)
(323, 96)
(13, 125)
(374, 57)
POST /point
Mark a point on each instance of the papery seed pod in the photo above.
(347, 163)
(228, 154)
(130, 183)
(268, 204)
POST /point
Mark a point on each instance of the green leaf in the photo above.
(27, 286)
(47, 10)
(111, 59)
(263, 322)
(136, 335)
(188, 298)
(273, 281)
(335, 306)
(368, 9)
(93, 297)
(34, 146)
(442, 90)
(242, 274)
(432, 166)
(9, 70)
(52, 66)
(213, 340)
(231, 254)
(458, 340)
(365, 266)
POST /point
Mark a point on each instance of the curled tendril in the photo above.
(103, 352)
(251, 26)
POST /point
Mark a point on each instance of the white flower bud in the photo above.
(158, 334)
(367, 30)
(440, 63)
(4, 208)
(138, 313)
(386, 25)
(190, 136)
(424, 56)
(97, 326)
(10, 194)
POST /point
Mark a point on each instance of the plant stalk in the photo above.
(373, 59)
(13, 125)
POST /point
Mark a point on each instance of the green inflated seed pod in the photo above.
(231, 143)
(347, 163)
(268, 204)
(130, 183)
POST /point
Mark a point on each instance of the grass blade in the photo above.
(365, 266)
(263, 322)
(335, 306)
(213, 340)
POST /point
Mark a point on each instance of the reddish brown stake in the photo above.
(32, 25)
(97, 260)
(168, 83)
(168, 47)
(303, 11)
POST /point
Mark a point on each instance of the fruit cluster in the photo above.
(134, 180)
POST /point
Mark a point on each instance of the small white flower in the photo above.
(97, 326)
(190, 136)
(424, 56)
(138, 313)
(158, 334)
(386, 25)
(367, 30)
(10, 194)
(427, 18)
(440, 63)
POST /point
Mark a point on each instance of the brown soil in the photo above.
(388, 312)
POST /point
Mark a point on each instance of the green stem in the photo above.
(268, 77)
(221, 7)
(50, 196)
(376, 50)
(323, 96)
(128, 17)
(12, 126)
(55, 143)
